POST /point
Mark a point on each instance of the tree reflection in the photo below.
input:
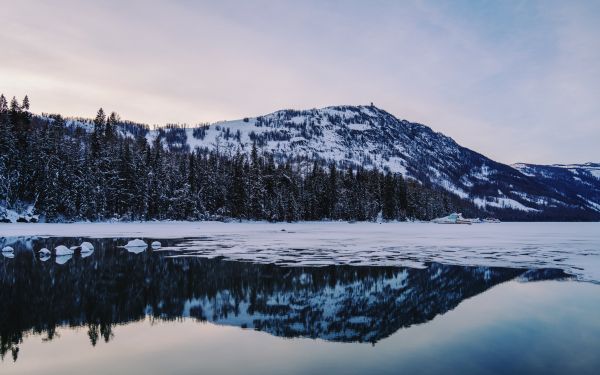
(337, 303)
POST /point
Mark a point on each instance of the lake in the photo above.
(332, 298)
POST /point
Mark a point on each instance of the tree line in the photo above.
(108, 172)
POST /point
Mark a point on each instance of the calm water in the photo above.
(116, 311)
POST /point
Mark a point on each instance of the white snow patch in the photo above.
(62, 259)
(61, 250)
(86, 247)
(136, 243)
(595, 206)
(44, 252)
(502, 203)
(453, 189)
(359, 127)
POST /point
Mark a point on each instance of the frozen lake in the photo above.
(572, 247)
(322, 298)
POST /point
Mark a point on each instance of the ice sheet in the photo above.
(573, 247)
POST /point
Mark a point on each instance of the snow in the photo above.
(44, 252)
(136, 246)
(359, 127)
(136, 243)
(7, 249)
(573, 247)
(481, 173)
(529, 198)
(86, 247)
(136, 249)
(575, 169)
(13, 215)
(9, 214)
(63, 250)
(502, 203)
(593, 205)
(62, 259)
(329, 144)
(453, 189)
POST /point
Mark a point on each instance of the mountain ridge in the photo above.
(369, 138)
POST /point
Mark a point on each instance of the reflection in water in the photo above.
(113, 286)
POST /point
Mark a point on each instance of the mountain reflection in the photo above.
(337, 303)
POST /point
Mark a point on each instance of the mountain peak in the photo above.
(368, 137)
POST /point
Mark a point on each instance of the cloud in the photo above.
(517, 81)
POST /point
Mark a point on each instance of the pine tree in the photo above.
(15, 108)
(237, 198)
(25, 105)
(389, 198)
(111, 127)
(97, 133)
(8, 157)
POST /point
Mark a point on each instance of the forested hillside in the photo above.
(336, 163)
(110, 171)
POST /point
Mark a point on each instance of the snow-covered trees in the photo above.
(101, 174)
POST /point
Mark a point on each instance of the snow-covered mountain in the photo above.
(577, 180)
(372, 138)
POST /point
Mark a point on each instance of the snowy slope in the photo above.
(370, 137)
(580, 180)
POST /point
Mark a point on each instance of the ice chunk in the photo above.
(63, 250)
(136, 243)
(44, 252)
(62, 259)
(136, 249)
(7, 249)
(136, 246)
(86, 247)
(87, 253)
(156, 245)
(8, 254)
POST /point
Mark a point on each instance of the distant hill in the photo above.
(370, 137)
(288, 165)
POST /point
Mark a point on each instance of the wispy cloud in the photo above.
(516, 80)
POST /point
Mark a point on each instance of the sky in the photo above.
(518, 81)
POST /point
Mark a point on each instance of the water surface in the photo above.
(170, 310)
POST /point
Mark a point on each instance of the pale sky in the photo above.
(513, 80)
